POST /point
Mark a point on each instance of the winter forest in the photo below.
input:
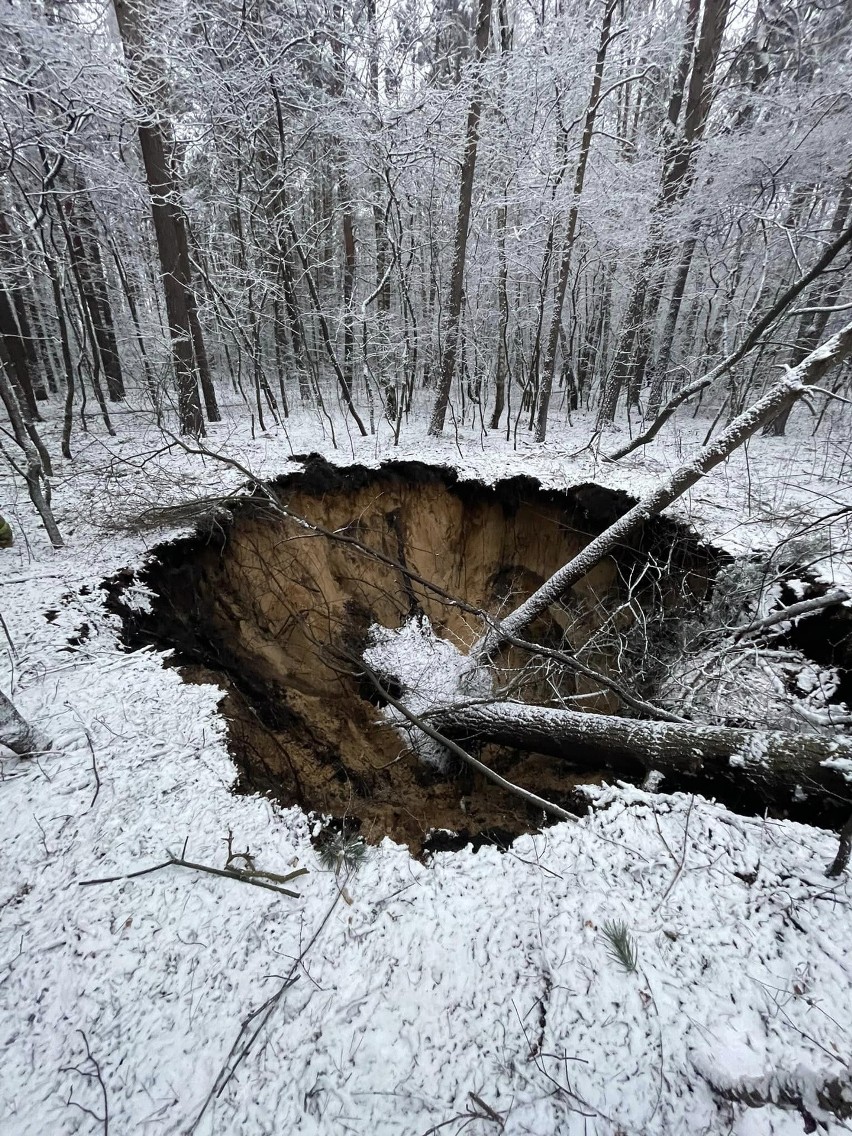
(426, 567)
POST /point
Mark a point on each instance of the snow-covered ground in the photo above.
(410, 995)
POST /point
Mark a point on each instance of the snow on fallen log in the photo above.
(782, 765)
(16, 733)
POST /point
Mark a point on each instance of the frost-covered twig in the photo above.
(638, 704)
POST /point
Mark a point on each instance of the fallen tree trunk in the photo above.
(16, 733)
(780, 766)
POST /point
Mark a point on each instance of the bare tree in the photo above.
(468, 169)
(549, 364)
(168, 225)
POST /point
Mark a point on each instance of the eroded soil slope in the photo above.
(278, 614)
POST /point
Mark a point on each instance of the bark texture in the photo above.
(168, 228)
(471, 143)
(781, 765)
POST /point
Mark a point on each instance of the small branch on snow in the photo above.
(682, 861)
(480, 1111)
(96, 1075)
(244, 876)
(261, 1015)
(94, 768)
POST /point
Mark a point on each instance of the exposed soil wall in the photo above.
(263, 606)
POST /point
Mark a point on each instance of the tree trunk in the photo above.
(345, 390)
(130, 295)
(502, 364)
(812, 323)
(664, 355)
(166, 216)
(199, 351)
(34, 470)
(777, 399)
(13, 341)
(677, 176)
(778, 764)
(468, 168)
(549, 364)
(750, 340)
(84, 248)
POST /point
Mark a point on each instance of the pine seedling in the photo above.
(342, 852)
(621, 946)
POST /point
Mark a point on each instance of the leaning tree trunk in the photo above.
(751, 339)
(815, 317)
(777, 399)
(16, 733)
(778, 765)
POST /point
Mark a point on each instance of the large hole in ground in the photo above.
(273, 613)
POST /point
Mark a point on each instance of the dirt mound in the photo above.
(277, 614)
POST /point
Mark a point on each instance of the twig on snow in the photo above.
(244, 876)
(240, 1049)
(680, 866)
(480, 1111)
(96, 1075)
(94, 768)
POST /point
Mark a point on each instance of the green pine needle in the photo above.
(342, 852)
(621, 945)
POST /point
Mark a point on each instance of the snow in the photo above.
(432, 672)
(481, 973)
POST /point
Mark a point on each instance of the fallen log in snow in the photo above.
(781, 766)
(16, 733)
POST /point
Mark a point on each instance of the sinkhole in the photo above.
(277, 614)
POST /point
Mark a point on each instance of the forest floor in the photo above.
(476, 987)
